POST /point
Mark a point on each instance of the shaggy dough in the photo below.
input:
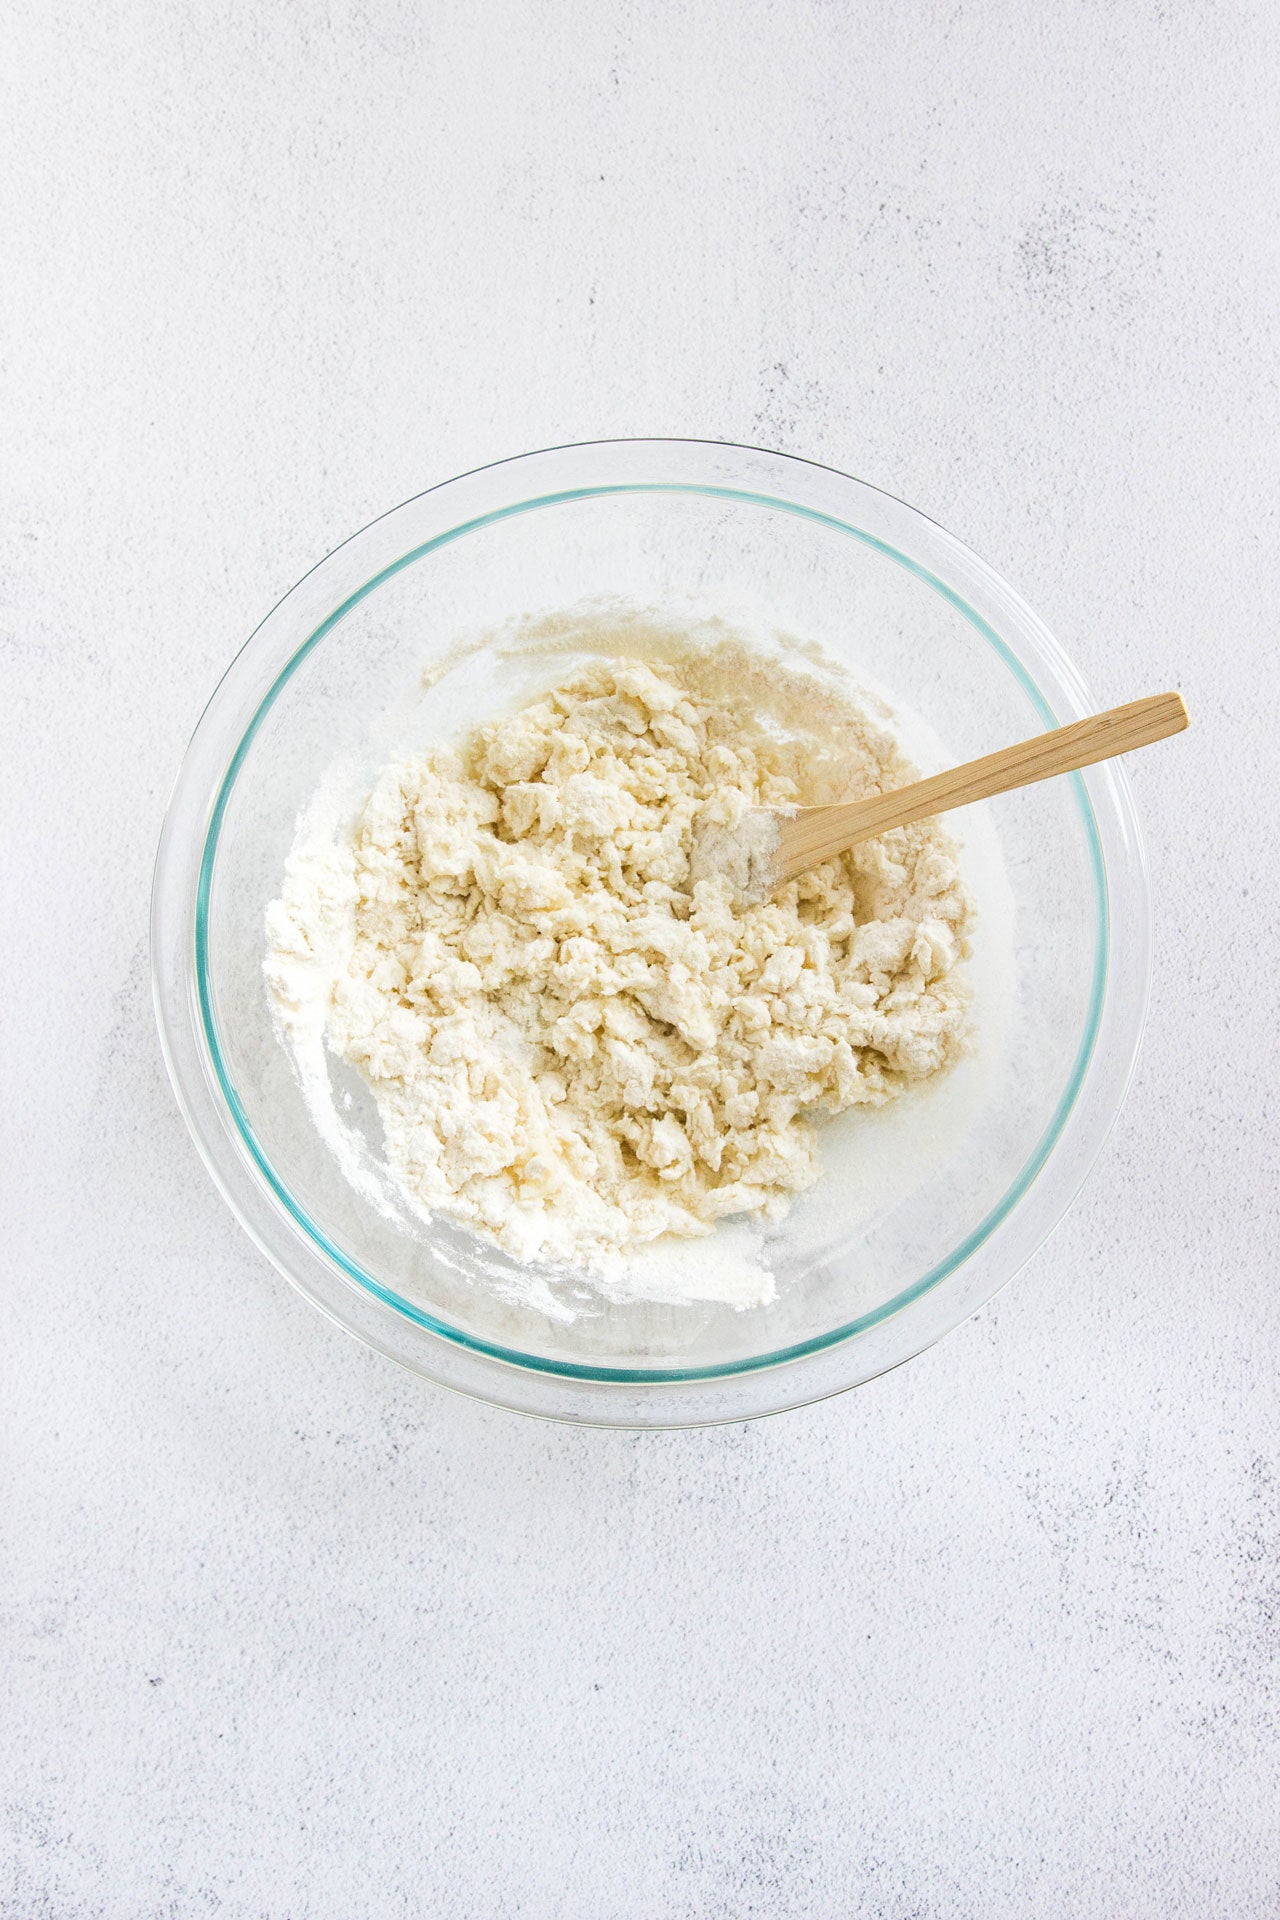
(576, 1045)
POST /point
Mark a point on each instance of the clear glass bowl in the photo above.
(874, 1267)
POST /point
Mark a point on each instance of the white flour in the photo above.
(580, 1048)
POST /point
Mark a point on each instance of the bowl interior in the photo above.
(908, 1192)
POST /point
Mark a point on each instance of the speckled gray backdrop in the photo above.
(285, 1632)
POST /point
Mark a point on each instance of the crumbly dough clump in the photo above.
(575, 1045)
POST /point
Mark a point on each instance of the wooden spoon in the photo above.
(806, 836)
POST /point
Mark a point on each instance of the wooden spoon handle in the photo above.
(813, 834)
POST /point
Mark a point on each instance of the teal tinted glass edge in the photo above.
(646, 1375)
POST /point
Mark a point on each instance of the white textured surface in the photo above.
(286, 1633)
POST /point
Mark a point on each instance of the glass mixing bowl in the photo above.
(914, 1225)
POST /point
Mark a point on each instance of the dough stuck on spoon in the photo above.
(743, 852)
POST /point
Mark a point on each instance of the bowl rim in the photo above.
(203, 787)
